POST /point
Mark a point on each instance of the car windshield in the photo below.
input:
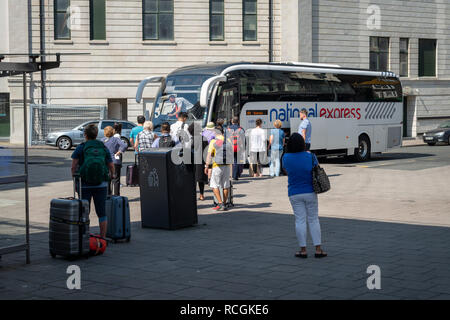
(181, 93)
(445, 125)
(81, 126)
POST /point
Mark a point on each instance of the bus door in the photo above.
(226, 104)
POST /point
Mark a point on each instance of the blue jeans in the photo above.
(275, 156)
(306, 211)
(99, 195)
(237, 168)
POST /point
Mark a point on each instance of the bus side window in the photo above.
(343, 91)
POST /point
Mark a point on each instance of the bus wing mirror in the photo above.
(206, 87)
(142, 85)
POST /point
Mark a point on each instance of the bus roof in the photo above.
(217, 68)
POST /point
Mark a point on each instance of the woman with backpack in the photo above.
(93, 163)
(116, 148)
(165, 140)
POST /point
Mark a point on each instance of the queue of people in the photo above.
(224, 161)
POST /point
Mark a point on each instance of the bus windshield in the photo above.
(179, 93)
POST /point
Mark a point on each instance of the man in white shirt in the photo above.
(179, 130)
(258, 148)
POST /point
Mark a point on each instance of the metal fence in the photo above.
(46, 118)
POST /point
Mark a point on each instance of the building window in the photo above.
(379, 53)
(216, 20)
(61, 19)
(157, 19)
(427, 58)
(97, 19)
(249, 20)
(404, 57)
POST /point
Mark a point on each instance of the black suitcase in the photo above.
(168, 195)
(132, 177)
(69, 226)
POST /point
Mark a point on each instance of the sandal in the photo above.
(298, 254)
(201, 198)
(320, 255)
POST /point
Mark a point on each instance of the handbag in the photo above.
(320, 180)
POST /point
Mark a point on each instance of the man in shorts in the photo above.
(220, 176)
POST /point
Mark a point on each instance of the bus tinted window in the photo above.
(365, 88)
(284, 86)
(300, 86)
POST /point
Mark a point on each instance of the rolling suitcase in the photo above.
(69, 226)
(230, 196)
(132, 177)
(118, 213)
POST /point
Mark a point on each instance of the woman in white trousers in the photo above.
(298, 164)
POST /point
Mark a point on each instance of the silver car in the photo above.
(64, 140)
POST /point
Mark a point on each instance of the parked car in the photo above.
(64, 140)
(440, 134)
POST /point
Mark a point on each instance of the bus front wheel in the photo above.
(362, 153)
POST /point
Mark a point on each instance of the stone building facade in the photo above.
(131, 42)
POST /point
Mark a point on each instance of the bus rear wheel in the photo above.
(362, 153)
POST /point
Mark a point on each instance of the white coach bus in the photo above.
(352, 111)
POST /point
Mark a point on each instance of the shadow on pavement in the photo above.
(244, 255)
(376, 157)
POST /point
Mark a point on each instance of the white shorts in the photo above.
(220, 177)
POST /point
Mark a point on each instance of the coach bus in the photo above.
(353, 112)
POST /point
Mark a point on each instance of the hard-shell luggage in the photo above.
(69, 226)
(118, 213)
(132, 178)
(230, 196)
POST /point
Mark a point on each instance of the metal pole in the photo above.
(42, 50)
(270, 30)
(25, 148)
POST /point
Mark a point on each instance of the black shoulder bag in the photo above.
(320, 180)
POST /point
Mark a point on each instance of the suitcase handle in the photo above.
(75, 186)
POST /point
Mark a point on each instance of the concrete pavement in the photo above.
(388, 212)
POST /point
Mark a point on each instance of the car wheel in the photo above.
(126, 141)
(431, 143)
(362, 153)
(64, 143)
(448, 140)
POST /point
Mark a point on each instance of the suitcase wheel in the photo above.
(52, 254)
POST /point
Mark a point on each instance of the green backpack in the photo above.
(93, 170)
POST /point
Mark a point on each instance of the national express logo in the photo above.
(284, 114)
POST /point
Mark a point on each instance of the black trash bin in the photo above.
(168, 195)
